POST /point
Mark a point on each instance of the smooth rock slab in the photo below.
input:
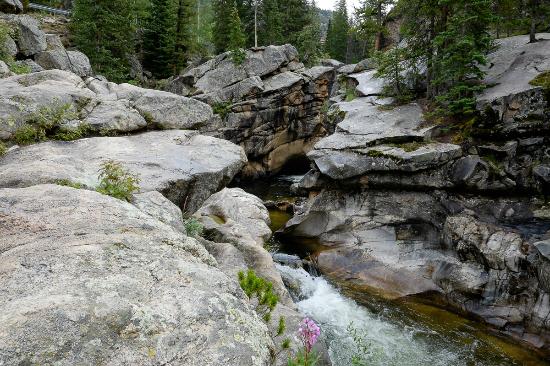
(86, 279)
(184, 166)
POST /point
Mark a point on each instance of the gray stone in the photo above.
(114, 116)
(139, 291)
(10, 47)
(368, 84)
(365, 65)
(543, 248)
(30, 65)
(23, 95)
(184, 166)
(154, 204)
(542, 172)
(30, 38)
(4, 70)
(347, 69)
(11, 6)
(335, 64)
(61, 59)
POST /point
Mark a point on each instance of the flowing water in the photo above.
(398, 335)
(387, 333)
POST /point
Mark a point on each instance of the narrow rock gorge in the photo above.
(360, 212)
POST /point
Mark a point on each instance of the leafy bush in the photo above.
(116, 181)
(193, 227)
(238, 56)
(19, 68)
(73, 134)
(222, 108)
(43, 123)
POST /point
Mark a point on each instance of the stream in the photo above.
(383, 332)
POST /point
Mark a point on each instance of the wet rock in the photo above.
(292, 261)
(140, 291)
(184, 166)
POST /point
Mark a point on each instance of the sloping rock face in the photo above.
(33, 43)
(105, 107)
(236, 224)
(11, 6)
(271, 105)
(89, 279)
(513, 106)
(404, 212)
(184, 166)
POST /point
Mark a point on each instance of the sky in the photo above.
(330, 4)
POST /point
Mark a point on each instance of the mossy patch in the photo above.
(222, 108)
(542, 79)
(3, 148)
(69, 183)
(410, 146)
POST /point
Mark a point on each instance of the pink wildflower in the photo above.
(309, 332)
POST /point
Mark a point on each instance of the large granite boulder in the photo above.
(113, 285)
(116, 108)
(30, 39)
(270, 104)
(184, 166)
(61, 59)
(236, 225)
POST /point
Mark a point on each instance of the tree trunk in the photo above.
(379, 34)
(533, 32)
(256, 23)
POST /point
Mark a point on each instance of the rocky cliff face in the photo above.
(270, 105)
(407, 212)
(118, 282)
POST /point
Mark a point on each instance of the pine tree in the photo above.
(222, 16)
(295, 18)
(337, 47)
(271, 23)
(105, 30)
(184, 40)
(159, 41)
(237, 39)
(308, 42)
(372, 15)
(461, 51)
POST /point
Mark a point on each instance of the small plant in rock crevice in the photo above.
(3, 148)
(116, 181)
(69, 183)
(260, 291)
(193, 227)
(44, 124)
(222, 108)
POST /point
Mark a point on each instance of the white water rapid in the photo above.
(390, 341)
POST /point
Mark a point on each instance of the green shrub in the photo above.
(222, 108)
(350, 94)
(116, 181)
(45, 122)
(193, 227)
(19, 68)
(256, 287)
(261, 290)
(238, 56)
(73, 134)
